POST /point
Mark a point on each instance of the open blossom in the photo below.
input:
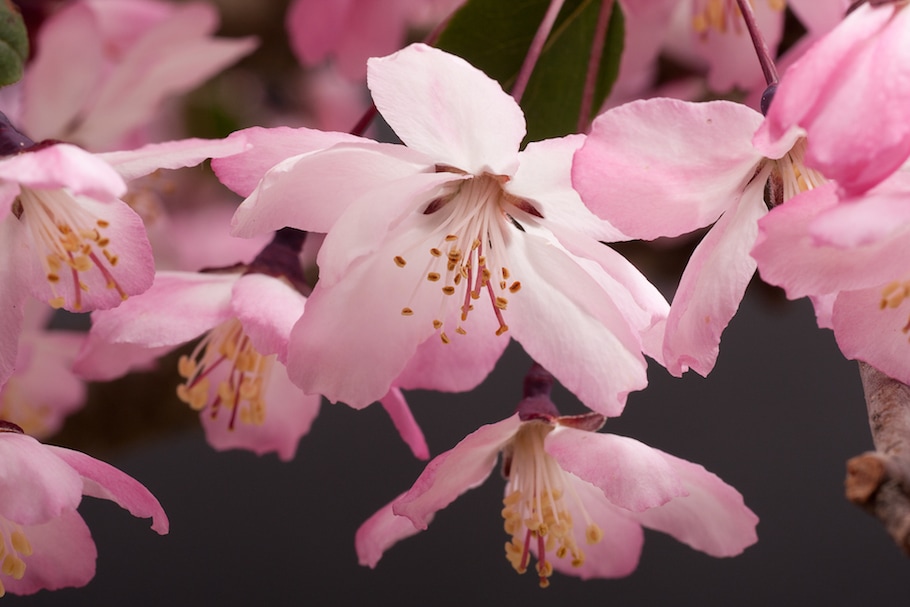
(68, 239)
(853, 136)
(438, 250)
(575, 499)
(663, 167)
(44, 543)
(234, 377)
(848, 254)
(102, 68)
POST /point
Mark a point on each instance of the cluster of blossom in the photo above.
(433, 254)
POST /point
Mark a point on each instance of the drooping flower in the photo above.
(575, 499)
(103, 68)
(235, 376)
(68, 239)
(663, 167)
(853, 137)
(44, 543)
(437, 251)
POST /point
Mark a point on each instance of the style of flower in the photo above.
(849, 255)
(102, 69)
(44, 543)
(853, 137)
(575, 499)
(663, 167)
(68, 239)
(457, 235)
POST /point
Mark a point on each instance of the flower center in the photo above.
(70, 242)
(225, 358)
(723, 15)
(790, 176)
(468, 263)
(537, 506)
(14, 545)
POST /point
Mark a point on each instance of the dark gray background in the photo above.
(777, 419)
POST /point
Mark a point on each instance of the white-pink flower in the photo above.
(575, 499)
(44, 542)
(436, 252)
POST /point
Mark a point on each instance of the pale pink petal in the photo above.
(379, 533)
(103, 481)
(630, 474)
(288, 417)
(442, 106)
(35, 485)
(663, 167)
(131, 164)
(448, 475)
(565, 321)
(64, 166)
(819, 17)
(824, 309)
(288, 195)
(267, 147)
(617, 553)
(544, 179)
(54, 90)
(867, 331)
(179, 307)
(63, 556)
(14, 293)
(396, 406)
(373, 29)
(315, 28)
(267, 307)
(713, 284)
(103, 361)
(788, 256)
(711, 518)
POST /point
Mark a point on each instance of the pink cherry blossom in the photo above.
(574, 498)
(848, 254)
(853, 137)
(45, 543)
(103, 68)
(437, 251)
(351, 31)
(663, 167)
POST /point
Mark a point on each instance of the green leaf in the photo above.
(13, 43)
(494, 36)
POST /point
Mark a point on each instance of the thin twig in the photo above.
(758, 41)
(534, 51)
(597, 50)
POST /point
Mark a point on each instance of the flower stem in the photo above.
(540, 38)
(597, 50)
(758, 41)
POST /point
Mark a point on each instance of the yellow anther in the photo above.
(56, 302)
(435, 252)
(448, 290)
(407, 312)
(593, 533)
(451, 238)
(502, 329)
(437, 324)
(20, 543)
(102, 223)
(433, 276)
(445, 338)
(515, 287)
(400, 261)
(501, 303)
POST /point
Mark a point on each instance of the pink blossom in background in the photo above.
(574, 498)
(663, 167)
(46, 544)
(351, 31)
(102, 68)
(853, 136)
(438, 251)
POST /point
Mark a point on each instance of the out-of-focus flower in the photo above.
(664, 167)
(44, 543)
(574, 498)
(457, 235)
(103, 67)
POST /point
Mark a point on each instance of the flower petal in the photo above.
(448, 475)
(131, 164)
(630, 474)
(62, 165)
(380, 532)
(267, 308)
(14, 293)
(663, 167)
(442, 106)
(103, 481)
(396, 406)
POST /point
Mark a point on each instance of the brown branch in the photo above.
(879, 481)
